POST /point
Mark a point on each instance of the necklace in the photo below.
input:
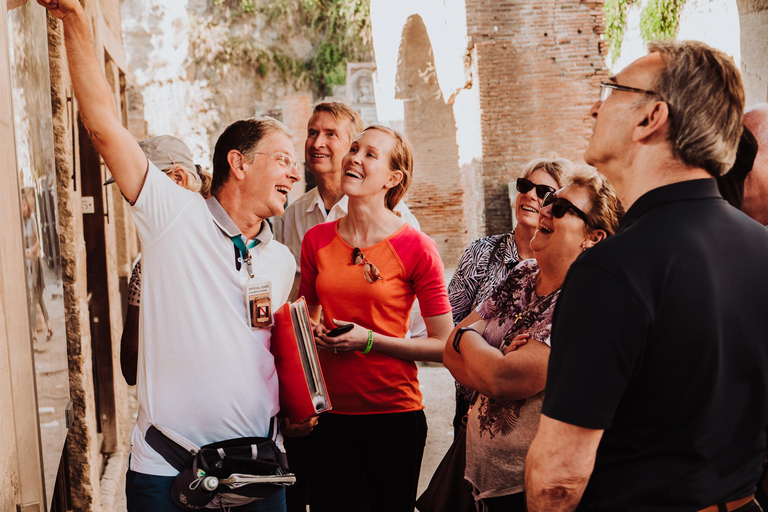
(532, 307)
(386, 222)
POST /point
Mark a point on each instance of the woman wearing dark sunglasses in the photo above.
(487, 262)
(502, 349)
(366, 269)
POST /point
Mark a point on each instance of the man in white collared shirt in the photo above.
(330, 132)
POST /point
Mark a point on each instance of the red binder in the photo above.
(302, 388)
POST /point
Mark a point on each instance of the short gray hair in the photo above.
(605, 210)
(703, 89)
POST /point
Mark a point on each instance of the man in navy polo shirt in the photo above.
(657, 388)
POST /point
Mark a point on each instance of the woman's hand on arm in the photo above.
(515, 375)
(413, 349)
(453, 360)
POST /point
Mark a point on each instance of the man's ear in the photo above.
(654, 120)
(236, 162)
(394, 179)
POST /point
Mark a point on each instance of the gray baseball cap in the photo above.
(166, 152)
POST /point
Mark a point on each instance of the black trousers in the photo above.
(367, 462)
(299, 452)
(509, 503)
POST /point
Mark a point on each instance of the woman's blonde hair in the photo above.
(400, 159)
(557, 168)
(205, 182)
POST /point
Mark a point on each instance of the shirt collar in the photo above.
(705, 188)
(510, 251)
(228, 226)
(317, 203)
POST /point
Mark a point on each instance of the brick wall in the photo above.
(436, 195)
(539, 63)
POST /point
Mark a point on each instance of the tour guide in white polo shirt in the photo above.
(204, 370)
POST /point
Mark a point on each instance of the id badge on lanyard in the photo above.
(257, 290)
(258, 301)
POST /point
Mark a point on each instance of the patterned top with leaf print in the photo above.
(500, 433)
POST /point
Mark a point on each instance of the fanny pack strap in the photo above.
(177, 450)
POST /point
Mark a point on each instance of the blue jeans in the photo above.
(150, 493)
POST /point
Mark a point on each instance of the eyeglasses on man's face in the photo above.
(606, 88)
(282, 159)
(561, 206)
(525, 185)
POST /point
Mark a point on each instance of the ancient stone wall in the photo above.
(83, 451)
(539, 64)
(85, 444)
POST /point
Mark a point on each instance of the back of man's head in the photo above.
(703, 89)
(245, 136)
(340, 112)
(756, 185)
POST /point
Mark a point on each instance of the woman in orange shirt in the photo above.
(366, 269)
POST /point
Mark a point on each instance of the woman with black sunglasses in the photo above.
(365, 270)
(502, 349)
(487, 262)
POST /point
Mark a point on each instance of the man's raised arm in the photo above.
(116, 145)
(559, 464)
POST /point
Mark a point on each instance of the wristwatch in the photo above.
(459, 333)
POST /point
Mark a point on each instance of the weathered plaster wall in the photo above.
(753, 15)
(9, 453)
(182, 98)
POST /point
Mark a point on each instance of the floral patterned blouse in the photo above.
(500, 433)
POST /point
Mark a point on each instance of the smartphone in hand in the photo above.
(338, 331)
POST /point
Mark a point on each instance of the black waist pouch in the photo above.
(224, 474)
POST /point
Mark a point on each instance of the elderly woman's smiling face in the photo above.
(558, 241)
(527, 205)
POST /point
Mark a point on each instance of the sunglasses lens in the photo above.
(548, 199)
(543, 190)
(560, 207)
(371, 273)
(357, 256)
(524, 185)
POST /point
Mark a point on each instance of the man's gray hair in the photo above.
(705, 94)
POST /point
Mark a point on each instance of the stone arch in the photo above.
(436, 196)
(753, 23)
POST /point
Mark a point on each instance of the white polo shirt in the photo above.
(202, 371)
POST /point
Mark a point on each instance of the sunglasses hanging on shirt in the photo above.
(370, 272)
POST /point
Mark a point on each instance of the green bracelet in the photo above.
(370, 342)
